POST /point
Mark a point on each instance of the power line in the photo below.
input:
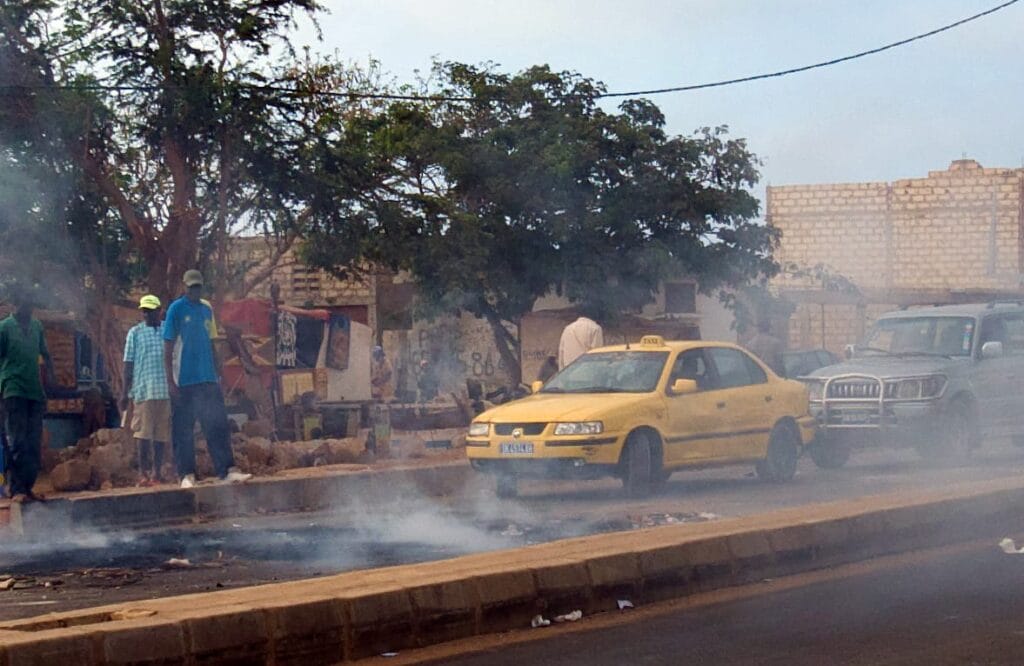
(632, 93)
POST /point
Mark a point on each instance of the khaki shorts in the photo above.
(152, 420)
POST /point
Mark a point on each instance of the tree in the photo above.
(506, 187)
(155, 128)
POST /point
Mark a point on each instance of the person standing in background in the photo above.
(578, 338)
(145, 385)
(22, 344)
(194, 385)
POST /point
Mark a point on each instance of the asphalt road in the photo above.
(88, 569)
(959, 608)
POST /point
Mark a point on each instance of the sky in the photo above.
(898, 114)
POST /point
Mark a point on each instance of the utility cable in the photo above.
(292, 92)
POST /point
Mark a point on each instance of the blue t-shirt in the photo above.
(187, 324)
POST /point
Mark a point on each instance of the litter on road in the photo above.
(179, 563)
(625, 603)
(539, 621)
(1010, 548)
(569, 617)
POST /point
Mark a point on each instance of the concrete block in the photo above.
(45, 648)
(307, 632)
(508, 599)
(614, 577)
(378, 622)
(149, 643)
(230, 637)
(142, 509)
(444, 611)
(563, 586)
(752, 554)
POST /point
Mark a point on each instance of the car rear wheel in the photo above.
(507, 486)
(637, 465)
(827, 453)
(783, 451)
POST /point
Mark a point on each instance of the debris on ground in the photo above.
(512, 530)
(7, 583)
(1010, 547)
(110, 577)
(179, 563)
(569, 617)
(659, 519)
(625, 603)
(539, 621)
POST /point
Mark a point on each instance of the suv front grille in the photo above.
(531, 429)
(855, 389)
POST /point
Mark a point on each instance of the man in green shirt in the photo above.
(21, 345)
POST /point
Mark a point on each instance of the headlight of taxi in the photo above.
(918, 388)
(579, 428)
(479, 429)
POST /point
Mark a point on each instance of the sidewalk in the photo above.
(298, 489)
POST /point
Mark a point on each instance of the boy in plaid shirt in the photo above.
(145, 384)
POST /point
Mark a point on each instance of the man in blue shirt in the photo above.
(194, 386)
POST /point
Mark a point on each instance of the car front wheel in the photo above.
(957, 439)
(637, 471)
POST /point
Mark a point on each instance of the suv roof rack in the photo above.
(992, 304)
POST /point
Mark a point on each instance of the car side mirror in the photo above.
(993, 349)
(849, 351)
(536, 386)
(683, 387)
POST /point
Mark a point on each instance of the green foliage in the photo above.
(181, 121)
(523, 184)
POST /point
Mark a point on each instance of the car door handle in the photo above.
(720, 405)
(768, 398)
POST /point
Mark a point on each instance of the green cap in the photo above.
(193, 278)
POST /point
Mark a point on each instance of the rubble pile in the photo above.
(109, 458)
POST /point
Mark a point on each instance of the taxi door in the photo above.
(692, 416)
(744, 400)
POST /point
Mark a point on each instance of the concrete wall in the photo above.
(916, 240)
(955, 229)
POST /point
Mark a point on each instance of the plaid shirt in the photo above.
(145, 349)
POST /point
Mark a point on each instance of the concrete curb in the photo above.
(309, 489)
(363, 613)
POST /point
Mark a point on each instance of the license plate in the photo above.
(856, 418)
(516, 448)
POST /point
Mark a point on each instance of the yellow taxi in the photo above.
(642, 411)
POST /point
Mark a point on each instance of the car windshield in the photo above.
(940, 336)
(610, 372)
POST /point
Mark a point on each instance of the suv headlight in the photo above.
(579, 428)
(479, 429)
(917, 388)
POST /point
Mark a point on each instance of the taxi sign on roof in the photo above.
(652, 341)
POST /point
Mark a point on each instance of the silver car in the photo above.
(939, 379)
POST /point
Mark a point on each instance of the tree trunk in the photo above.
(508, 347)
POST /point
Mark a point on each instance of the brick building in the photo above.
(953, 236)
